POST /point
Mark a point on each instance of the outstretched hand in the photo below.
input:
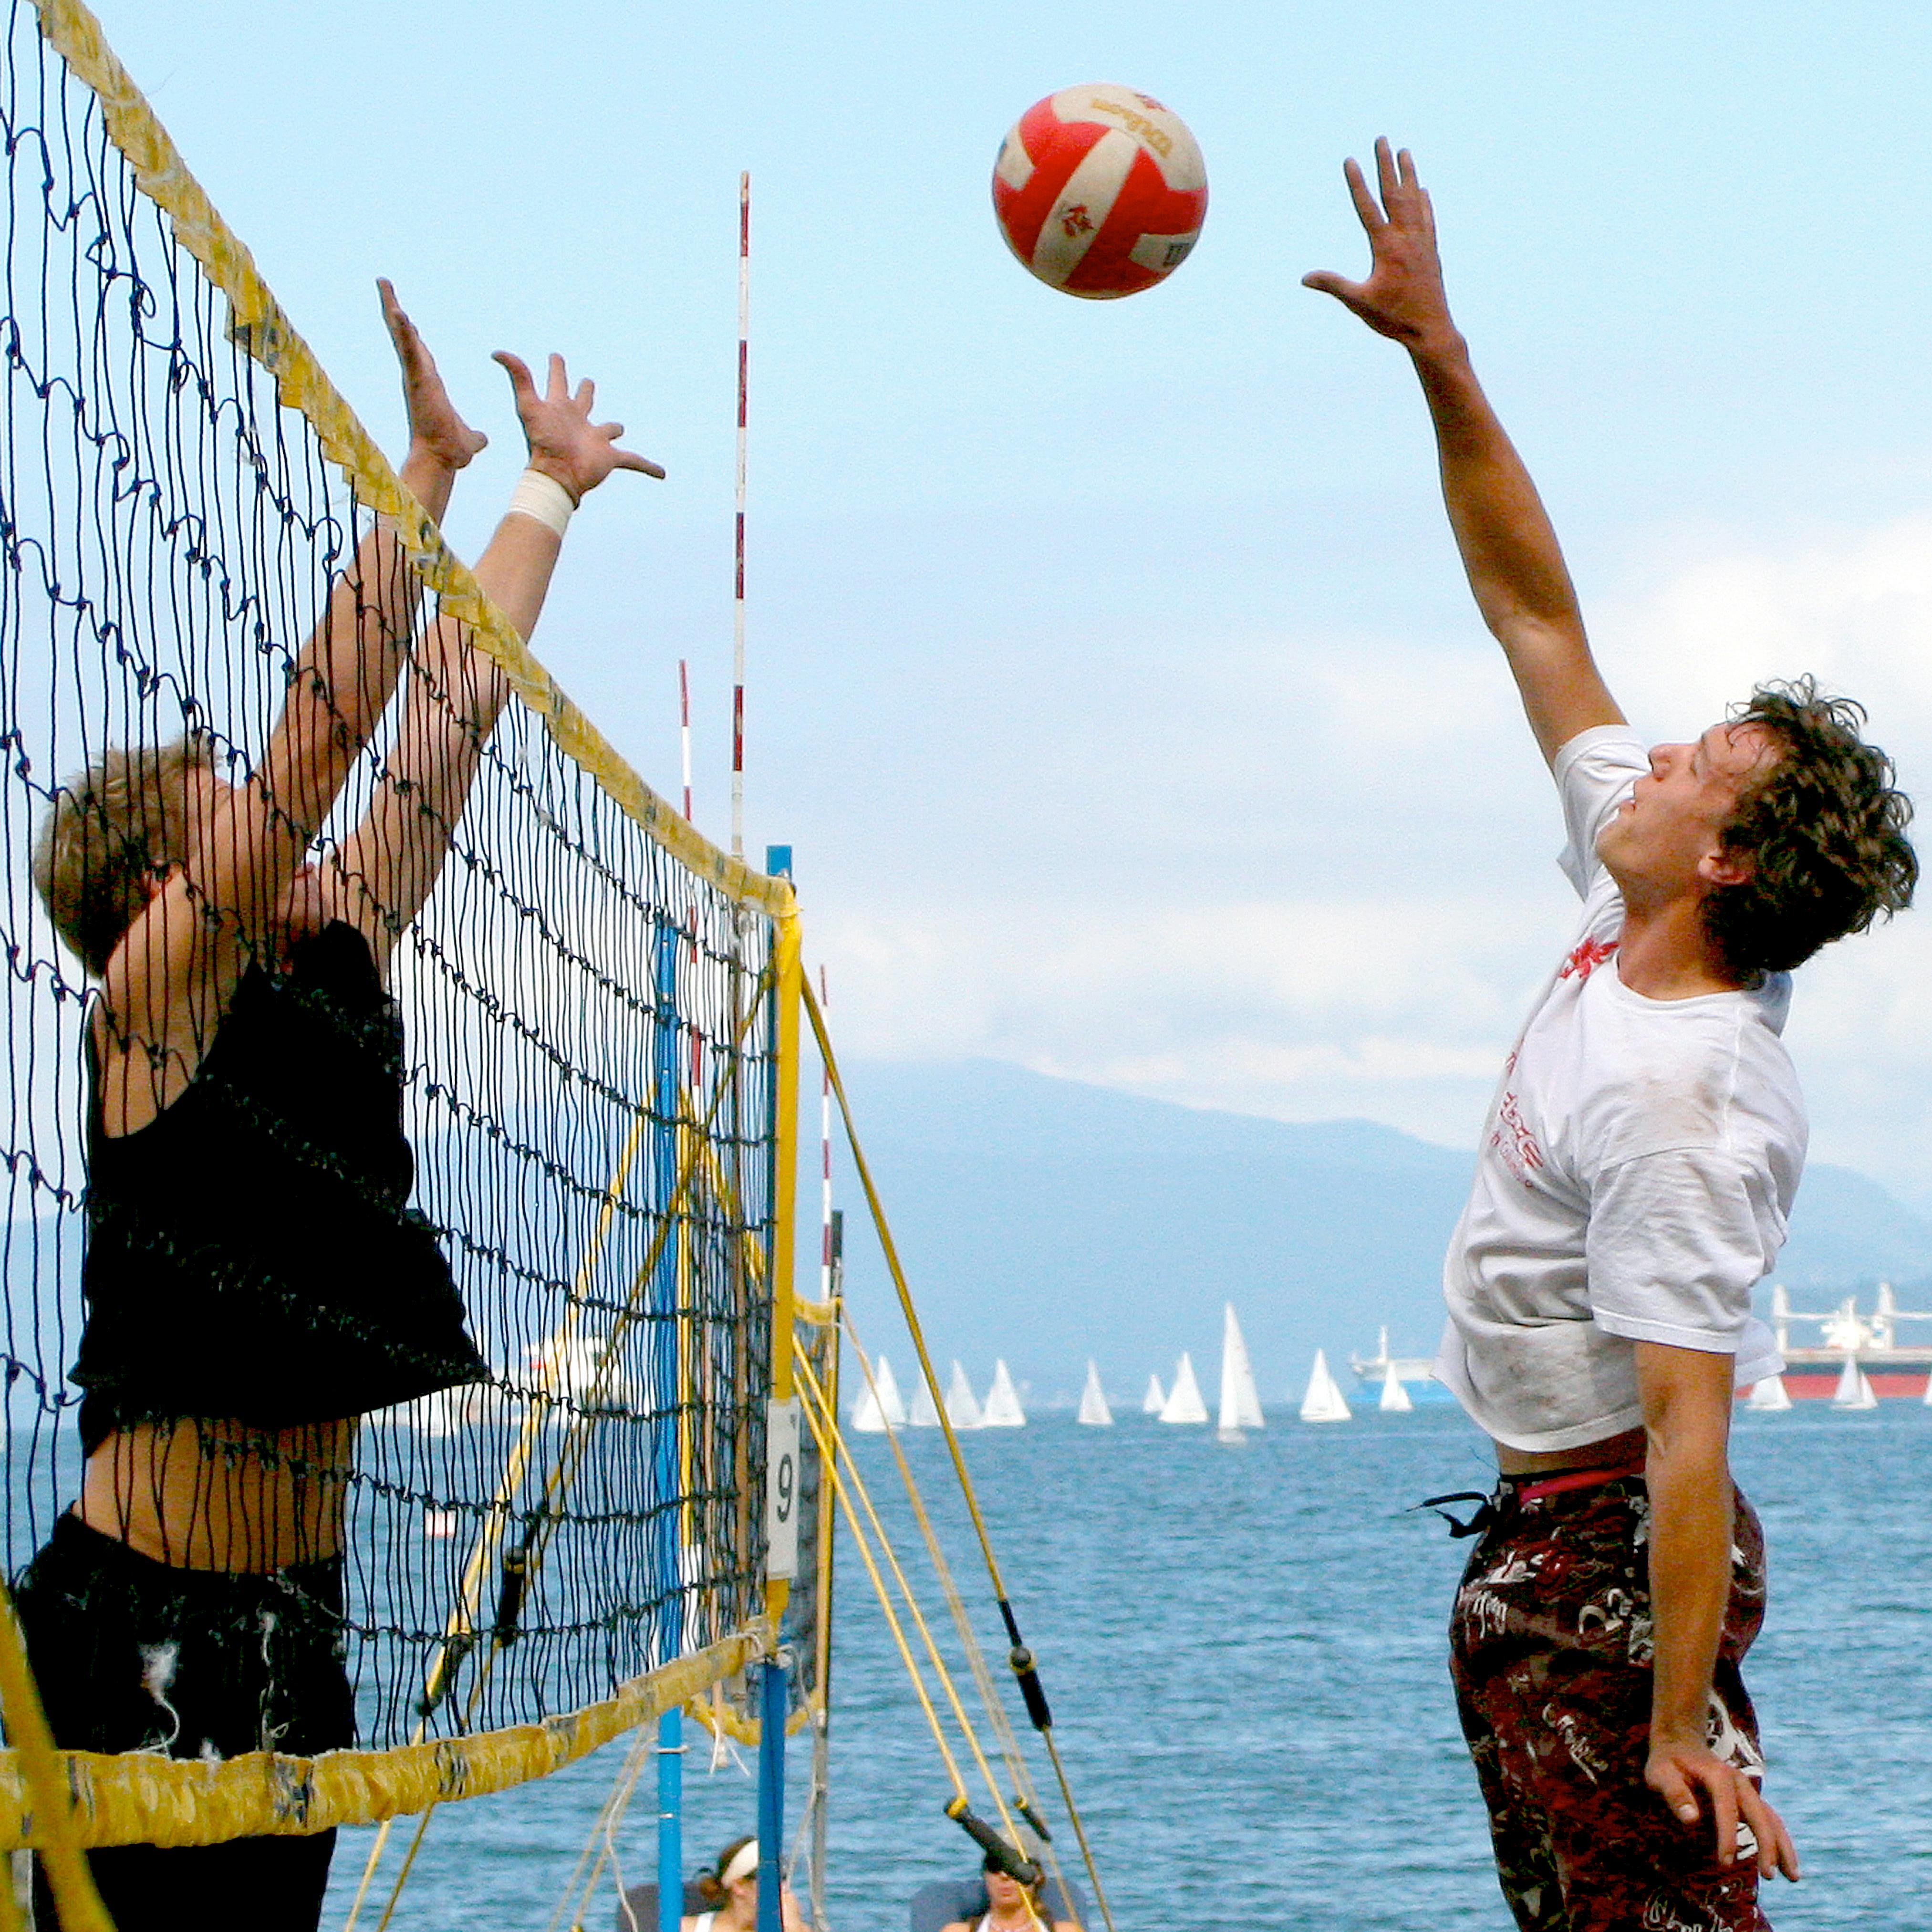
(434, 426)
(564, 444)
(1680, 1774)
(1403, 297)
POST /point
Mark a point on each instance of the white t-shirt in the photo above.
(1636, 1175)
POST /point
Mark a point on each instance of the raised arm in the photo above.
(1510, 551)
(455, 691)
(168, 982)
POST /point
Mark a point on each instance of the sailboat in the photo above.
(924, 1413)
(572, 1368)
(1184, 1402)
(1155, 1400)
(446, 1412)
(962, 1405)
(880, 1407)
(1240, 1400)
(1002, 1409)
(1394, 1397)
(1770, 1397)
(1855, 1389)
(1324, 1401)
(1093, 1409)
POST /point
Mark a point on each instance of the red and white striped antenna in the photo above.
(684, 730)
(738, 606)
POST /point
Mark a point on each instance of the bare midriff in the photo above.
(1612, 1452)
(220, 1495)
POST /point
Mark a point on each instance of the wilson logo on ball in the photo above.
(1100, 191)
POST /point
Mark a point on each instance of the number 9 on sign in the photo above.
(781, 1490)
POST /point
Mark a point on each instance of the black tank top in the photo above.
(251, 1251)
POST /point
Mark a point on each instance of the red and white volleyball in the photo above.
(1100, 191)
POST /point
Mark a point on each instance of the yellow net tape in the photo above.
(264, 331)
(133, 1799)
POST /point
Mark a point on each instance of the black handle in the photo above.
(1033, 1818)
(1020, 1869)
(510, 1592)
(1039, 1714)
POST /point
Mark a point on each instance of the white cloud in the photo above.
(1389, 984)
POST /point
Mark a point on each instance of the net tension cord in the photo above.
(1003, 1850)
(1025, 1800)
(1038, 1712)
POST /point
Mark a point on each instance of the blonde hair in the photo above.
(109, 831)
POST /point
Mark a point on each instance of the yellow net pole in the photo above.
(789, 977)
(59, 1843)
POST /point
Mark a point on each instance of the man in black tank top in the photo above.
(255, 1279)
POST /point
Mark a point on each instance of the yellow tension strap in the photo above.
(130, 1799)
(892, 1254)
(962, 1623)
(830, 1435)
(831, 1464)
(262, 329)
(890, 1250)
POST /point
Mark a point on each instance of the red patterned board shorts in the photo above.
(1550, 1651)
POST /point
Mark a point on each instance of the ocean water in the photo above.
(1244, 1646)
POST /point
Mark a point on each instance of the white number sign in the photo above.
(781, 1489)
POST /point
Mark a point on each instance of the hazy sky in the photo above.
(1111, 669)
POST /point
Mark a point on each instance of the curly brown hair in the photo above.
(1824, 831)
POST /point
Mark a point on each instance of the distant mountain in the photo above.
(1045, 1220)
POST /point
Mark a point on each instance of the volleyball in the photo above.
(1100, 191)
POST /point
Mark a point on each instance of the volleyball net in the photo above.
(599, 1010)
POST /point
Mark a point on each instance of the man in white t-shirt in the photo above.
(1636, 1173)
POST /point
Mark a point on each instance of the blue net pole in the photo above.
(774, 1697)
(670, 1820)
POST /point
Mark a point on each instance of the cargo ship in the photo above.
(1895, 1366)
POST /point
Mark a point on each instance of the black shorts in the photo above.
(133, 1655)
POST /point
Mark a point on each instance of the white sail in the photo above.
(924, 1412)
(572, 1368)
(962, 1405)
(874, 1412)
(1093, 1409)
(1324, 1401)
(1855, 1389)
(445, 1411)
(1002, 1409)
(1770, 1397)
(1240, 1400)
(1394, 1398)
(1184, 1402)
(1155, 1400)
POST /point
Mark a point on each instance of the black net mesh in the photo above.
(588, 1080)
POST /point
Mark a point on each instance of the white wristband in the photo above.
(543, 498)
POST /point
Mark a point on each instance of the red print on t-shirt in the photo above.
(1589, 955)
(1512, 1138)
